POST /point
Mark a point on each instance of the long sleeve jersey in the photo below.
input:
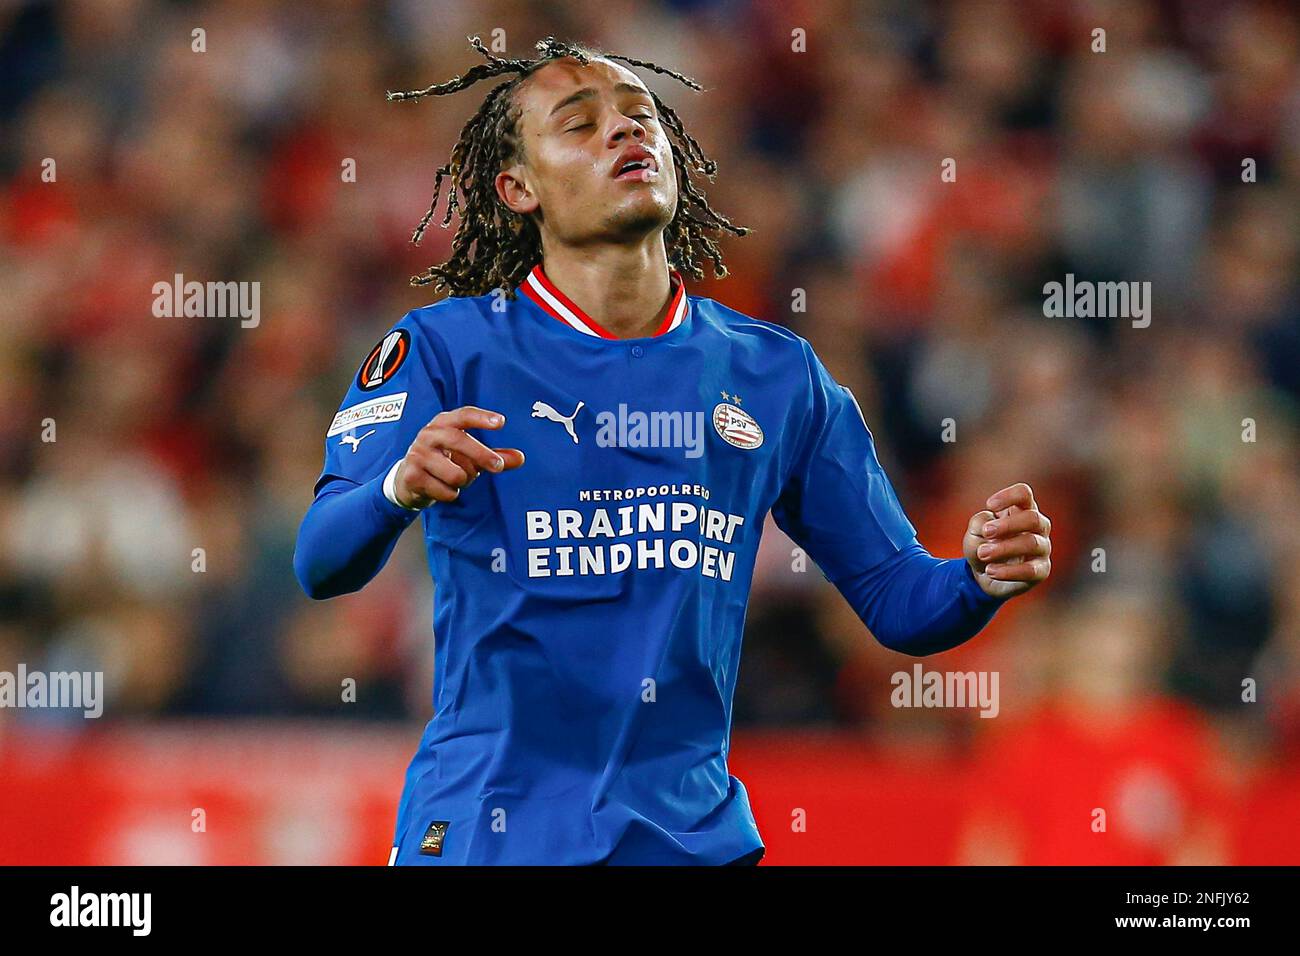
(589, 606)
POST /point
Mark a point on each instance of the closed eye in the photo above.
(638, 116)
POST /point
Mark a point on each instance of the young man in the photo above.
(591, 588)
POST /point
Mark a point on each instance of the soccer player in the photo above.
(591, 452)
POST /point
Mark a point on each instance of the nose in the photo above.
(626, 127)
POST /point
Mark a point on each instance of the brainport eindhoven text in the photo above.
(701, 525)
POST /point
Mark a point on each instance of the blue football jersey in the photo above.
(589, 606)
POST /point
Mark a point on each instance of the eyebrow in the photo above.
(587, 93)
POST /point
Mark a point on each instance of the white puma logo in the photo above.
(354, 441)
(542, 410)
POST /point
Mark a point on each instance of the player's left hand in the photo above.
(1009, 546)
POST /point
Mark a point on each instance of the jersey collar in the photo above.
(555, 303)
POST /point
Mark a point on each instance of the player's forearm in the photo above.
(346, 537)
(918, 604)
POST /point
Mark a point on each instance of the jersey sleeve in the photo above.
(837, 503)
(840, 507)
(353, 523)
(402, 383)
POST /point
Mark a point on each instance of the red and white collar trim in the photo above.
(554, 302)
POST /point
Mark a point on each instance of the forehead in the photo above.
(560, 79)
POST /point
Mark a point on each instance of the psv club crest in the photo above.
(735, 425)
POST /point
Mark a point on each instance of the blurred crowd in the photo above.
(152, 537)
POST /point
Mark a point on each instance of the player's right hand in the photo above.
(443, 459)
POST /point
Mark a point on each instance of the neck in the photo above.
(624, 288)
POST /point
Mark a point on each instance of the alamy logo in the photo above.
(922, 688)
(1100, 300)
(542, 410)
(626, 428)
(72, 690)
(208, 300)
(133, 910)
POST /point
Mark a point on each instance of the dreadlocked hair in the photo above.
(494, 247)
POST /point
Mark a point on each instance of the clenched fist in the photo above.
(443, 459)
(1009, 546)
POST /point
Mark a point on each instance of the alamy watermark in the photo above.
(72, 690)
(622, 428)
(922, 688)
(209, 300)
(1082, 299)
(625, 429)
(133, 911)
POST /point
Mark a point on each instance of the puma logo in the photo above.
(542, 410)
(354, 441)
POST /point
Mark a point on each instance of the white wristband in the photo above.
(390, 486)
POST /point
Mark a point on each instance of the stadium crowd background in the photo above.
(925, 296)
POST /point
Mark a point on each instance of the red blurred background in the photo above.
(291, 794)
(1120, 689)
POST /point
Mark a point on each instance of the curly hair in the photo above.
(494, 247)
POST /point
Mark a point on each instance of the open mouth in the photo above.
(638, 169)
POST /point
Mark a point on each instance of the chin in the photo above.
(645, 215)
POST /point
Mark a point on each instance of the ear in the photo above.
(514, 192)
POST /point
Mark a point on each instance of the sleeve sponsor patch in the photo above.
(386, 408)
(384, 360)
